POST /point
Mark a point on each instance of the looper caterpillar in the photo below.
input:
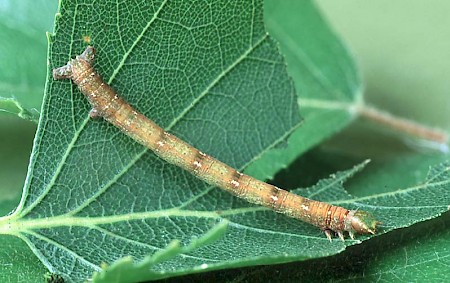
(107, 104)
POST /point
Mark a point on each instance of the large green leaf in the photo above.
(326, 79)
(272, 243)
(208, 73)
(416, 253)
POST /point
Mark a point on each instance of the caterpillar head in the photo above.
(362, 222)
(76, 67)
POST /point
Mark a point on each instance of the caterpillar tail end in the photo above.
(340, 234)
(362, 222)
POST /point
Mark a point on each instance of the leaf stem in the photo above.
(403, 125)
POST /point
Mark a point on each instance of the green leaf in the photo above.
(23, 54)
(411, 254)
(15, 263)
(395, 209)
(327, 81)
(391, 208)
(11, 105)
(211, 76)
(125, 270)
(416, 253)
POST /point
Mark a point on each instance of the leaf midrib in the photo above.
(16, 225)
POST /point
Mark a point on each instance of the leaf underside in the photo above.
(276, 239)
(179, 63)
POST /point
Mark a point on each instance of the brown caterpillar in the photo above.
(107, 104)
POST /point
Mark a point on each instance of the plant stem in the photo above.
(403, 125)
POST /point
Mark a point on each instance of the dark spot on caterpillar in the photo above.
(274, 198)
(198, 161)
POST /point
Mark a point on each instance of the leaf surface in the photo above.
(328, 84)
(207, 73)
(15, 263)
(125, 270)
(419, 252)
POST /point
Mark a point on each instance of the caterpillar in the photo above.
(106, 103)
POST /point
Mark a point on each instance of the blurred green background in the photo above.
(401, 48)
(23, 55)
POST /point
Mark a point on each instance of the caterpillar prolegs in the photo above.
(107, 104)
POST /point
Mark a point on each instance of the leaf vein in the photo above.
(394, 193)
(58, 169)
(139, 37)
(215, 81)
(62, 247)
